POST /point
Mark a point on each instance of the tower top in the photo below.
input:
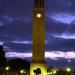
(38, 3)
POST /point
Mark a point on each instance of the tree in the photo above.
(2, 57)
(61, 72)
(19, 64)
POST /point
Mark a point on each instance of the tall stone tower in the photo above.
(38, 52)
(38, 31)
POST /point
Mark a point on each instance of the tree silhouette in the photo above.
(18, 64)
(61, 72)
(2, 57)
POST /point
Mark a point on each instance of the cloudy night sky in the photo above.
(16, 30)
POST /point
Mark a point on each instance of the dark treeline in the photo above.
(2, 57)
(19, 65)
(14, 64)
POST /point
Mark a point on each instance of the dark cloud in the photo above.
(19, 47)
(17, 28)
(53, 26)
(58, 6)
(60, 63)
(60, 44)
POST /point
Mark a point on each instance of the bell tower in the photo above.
(38, 52)
(38, 32)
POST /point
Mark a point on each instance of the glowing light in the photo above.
(7, 68)
(68, 69)
(22, 71)
(69, 60)
(39, 15)
(54, 72)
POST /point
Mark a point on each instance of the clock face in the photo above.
(38, 15)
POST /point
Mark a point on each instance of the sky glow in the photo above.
(65, 36)
(55, 55)
(22, 42)
(63, 17)
(1, 24)
(1, 43)
(25, 42)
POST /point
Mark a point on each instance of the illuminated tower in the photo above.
(38, 31)
(38, 52)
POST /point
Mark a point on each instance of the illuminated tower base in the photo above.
(42, 66)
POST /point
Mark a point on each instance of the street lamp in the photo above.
(7, 68)
(54, 72)
(68, 69)
(22, 71)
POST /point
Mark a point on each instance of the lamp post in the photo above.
(68, 70)
(7, 68)
(22, 72)
(54, 72)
